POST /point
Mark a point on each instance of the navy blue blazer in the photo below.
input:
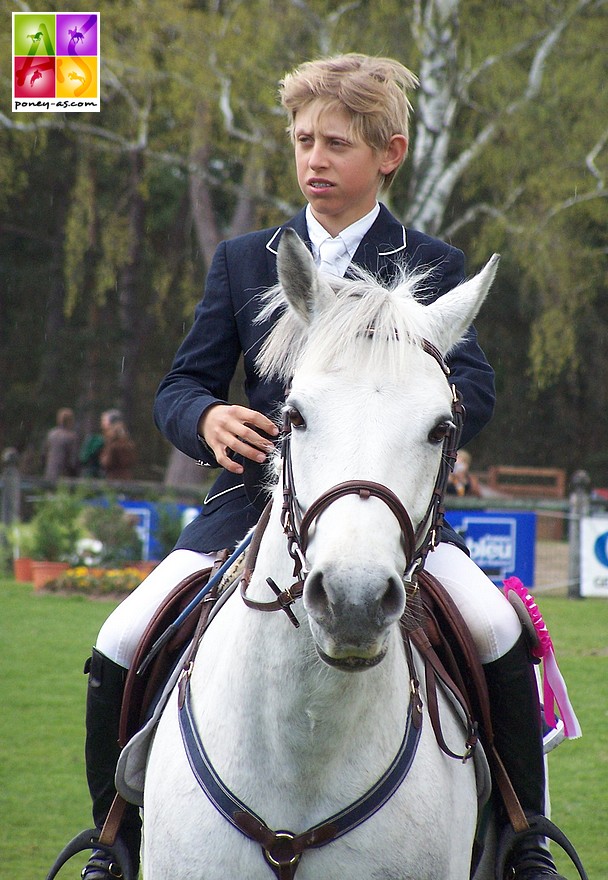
(224, 328)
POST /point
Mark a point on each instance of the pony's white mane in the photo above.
(359, 321)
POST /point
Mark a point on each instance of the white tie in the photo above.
(330, 251)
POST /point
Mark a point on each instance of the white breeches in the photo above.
(120, 634)
(493, 623)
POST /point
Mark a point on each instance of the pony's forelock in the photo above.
(362, 321)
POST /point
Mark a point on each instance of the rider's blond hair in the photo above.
(372, 91)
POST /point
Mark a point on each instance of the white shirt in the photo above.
(343, 247)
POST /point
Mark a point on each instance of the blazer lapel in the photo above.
(383, 244)
(299, 224)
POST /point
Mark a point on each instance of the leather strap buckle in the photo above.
(283, 850)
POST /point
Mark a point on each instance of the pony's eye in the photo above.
(440, 432)
(296, 418)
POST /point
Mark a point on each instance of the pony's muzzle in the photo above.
(351, 612)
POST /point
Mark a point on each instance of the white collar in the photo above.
(351, 236)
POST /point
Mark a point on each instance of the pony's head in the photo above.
(367, 402)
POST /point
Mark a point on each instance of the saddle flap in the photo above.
(131, 767)
(456, 648)
(141, 688)
(464, 661)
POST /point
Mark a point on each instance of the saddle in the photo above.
(146, 677)
(440, 634)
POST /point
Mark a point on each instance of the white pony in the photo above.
(285, 727)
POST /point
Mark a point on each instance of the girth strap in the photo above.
(283, 849)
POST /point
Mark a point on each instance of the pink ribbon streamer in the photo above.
(554, 686)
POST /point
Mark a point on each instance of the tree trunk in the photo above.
(132, 320)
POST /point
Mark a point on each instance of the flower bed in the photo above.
(97, 581)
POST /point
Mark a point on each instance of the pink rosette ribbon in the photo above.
(554, 686)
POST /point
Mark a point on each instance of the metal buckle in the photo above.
(183, 683)
(281, 836)
(471, 742)
(285, 598)
(409, 575)
(299, 559)
(186, 672)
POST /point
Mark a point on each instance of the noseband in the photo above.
(296, 525)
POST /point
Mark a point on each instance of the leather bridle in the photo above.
(297, 524)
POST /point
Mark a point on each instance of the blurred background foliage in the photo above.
(108, 221)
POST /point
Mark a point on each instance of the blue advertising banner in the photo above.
(502, 544)
(146, 517)
(151, 521)
(594, 556)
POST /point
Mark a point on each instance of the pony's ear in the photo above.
(298, 276)
(451, 314)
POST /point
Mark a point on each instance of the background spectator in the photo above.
(90, 451)
(60, 450)
(461, 481)
(118, 455)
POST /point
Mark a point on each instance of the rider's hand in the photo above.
(230, 429)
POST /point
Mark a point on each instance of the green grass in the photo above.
(44, 640)
(579, 769)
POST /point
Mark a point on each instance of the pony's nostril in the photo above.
(393, 600)
(316, 597)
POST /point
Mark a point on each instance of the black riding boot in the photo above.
(516, 719)
(104, 698)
